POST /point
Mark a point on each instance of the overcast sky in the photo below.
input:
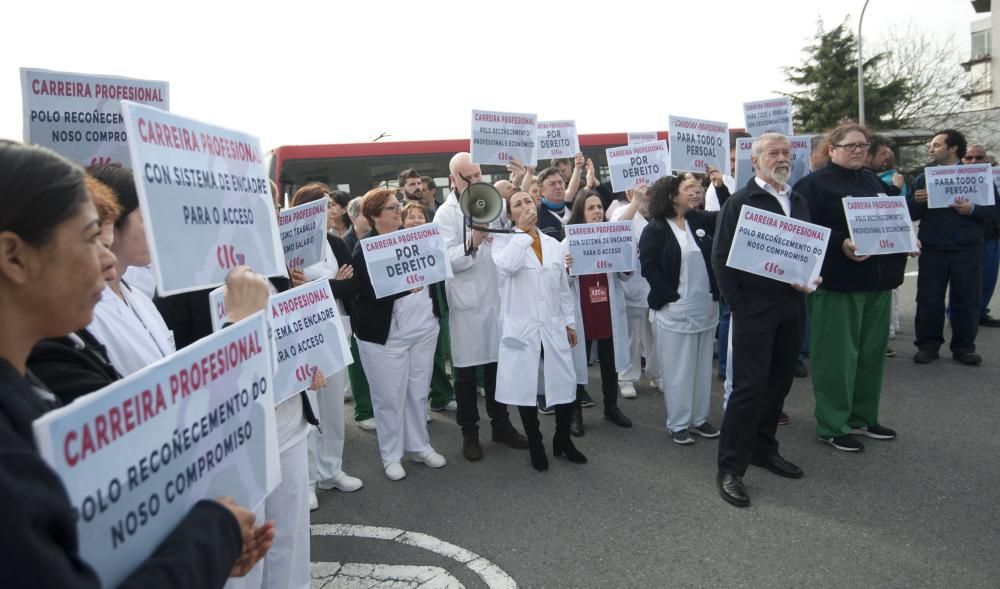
(296, 73)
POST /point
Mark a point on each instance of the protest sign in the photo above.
(959, 184)
(642, 137)
(880, 225)
(801, 159)
(996, 177)
(778, 247)
(135, 456)
(642, 163)
(557, 139)
(696, 144)
(79, 115)
(499, 137)
(773, 115)
(744, 165)
(308, 336)
(218, 307)
(405, 259)
(303, 233)
(205, 200)
(598, 248)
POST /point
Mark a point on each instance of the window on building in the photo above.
(980, 44)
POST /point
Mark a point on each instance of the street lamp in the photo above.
(861, 71)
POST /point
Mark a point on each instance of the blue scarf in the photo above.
(557, 208)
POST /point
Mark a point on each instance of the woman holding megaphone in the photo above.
(537, 328)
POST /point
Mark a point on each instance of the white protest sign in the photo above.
(696, 144)
(598, 248)
(744, 165)
(135, 456)
(308, 336)
(778, 247)
(205, 200)
(801, 159)
(642, 137)
(216, 300)
(642, 163)
(959, 184)
(557, 139)
(880, 225)
(405, 259)
(766, 116)
(996, 177)
(303, 233)
(79, 115)
(499, 137)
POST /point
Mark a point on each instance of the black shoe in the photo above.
(616, 416)
(506, 434)
(784, 419)
(471, 449)
(539, 461)
(566, 447)
(989, 321)
(585, 400)
(846, 443)
(543, 408)
(779, 466)
(732, 490)
(968, 358)
(800, 369)
(925, 356)
(875, 432)
(576, 423)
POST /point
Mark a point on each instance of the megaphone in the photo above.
(480, 203)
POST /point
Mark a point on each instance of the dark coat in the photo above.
(660, 256)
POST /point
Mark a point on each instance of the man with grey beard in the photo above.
(766, 329)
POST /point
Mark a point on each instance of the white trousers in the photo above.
(286, 564)
(399, 376)
(641, 342)
(326, 444)
(687, 385)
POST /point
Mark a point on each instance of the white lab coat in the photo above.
(473, 295)
(536, 307)
(131, 329)
(619, 323)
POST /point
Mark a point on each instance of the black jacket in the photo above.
(345, 290)
(550, 224)
(739, 287)
(372, 316)
(945, 229)
(38, 534)
(72, 366)
(825, 190)
(660, 256)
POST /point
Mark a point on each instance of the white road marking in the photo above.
(363, 575)
(491, 574)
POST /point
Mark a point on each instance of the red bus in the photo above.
(357, 167)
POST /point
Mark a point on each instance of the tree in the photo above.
(828, 79)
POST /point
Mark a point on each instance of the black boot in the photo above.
(561, 442)
(576, 424)
(529, 419)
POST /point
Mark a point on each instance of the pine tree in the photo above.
(829, 85)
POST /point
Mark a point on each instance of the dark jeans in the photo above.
(961, 270)
(467, 415)
(609, 376)
(991, 267)
(724, 318)
(767, 336)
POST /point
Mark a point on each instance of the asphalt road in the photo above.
(920, 511)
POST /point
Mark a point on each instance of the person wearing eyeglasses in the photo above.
(850, 311)
(396, 337)
(766, 329)
(951, 261)
(976, 154)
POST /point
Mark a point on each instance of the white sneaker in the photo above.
(313, 501)
(394, 471)
(656, 384)
(430, 458)
(342, 482)
(450, 406)
(480, 390)
(367, 424)
(628, 390)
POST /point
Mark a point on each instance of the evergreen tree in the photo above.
(829, 85)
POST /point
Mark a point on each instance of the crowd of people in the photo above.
(513, 324)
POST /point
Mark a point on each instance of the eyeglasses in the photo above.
(853, 146)
(395, 207)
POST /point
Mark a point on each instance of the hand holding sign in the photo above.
(246, 293)
(257, 540)
(963, 208)
(850, 250)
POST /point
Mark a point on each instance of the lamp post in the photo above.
(861, 71)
